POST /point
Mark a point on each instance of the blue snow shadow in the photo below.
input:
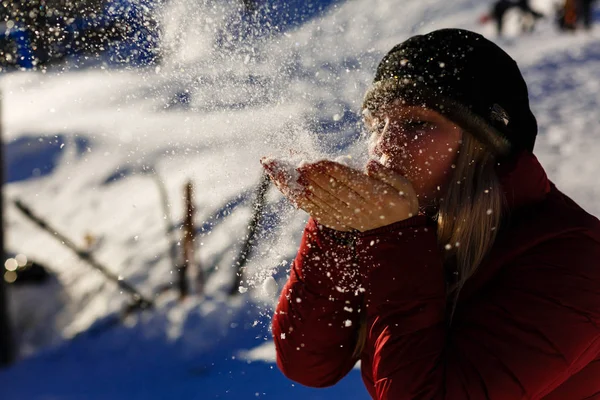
(270, 17)
(32, 156)
(120, 173)
(548, 77)
(292, 13)
(336, 135)
(145, 362)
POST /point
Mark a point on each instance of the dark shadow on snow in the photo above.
(225, 210)
(336, 133)
(285, 15)
(550, 73)
(33, 156)
(120, 173)
(264, 18)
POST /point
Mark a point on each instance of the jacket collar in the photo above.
(523, 180)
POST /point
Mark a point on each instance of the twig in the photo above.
(258, 206)
(84, 255)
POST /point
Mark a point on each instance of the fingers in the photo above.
(322, 213)
(284, 177)
(286, 180)
(337, 179)
(315, 190)
(342, 198)
(334, 193)
(378, 171)
(326, 212)
(362, 184)
(396, 181)
(276, 170)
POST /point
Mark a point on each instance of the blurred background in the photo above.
(143, 248)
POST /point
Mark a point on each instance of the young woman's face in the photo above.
(417, 143)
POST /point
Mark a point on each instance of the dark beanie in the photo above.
(466, 77)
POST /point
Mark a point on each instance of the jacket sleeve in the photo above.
(528, 333)
(316, 321)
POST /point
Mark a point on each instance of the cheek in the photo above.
(430, 160)
(421, 156)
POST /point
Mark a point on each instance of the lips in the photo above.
(398, 165)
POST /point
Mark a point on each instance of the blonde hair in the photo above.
(468, 218)
(469, 215)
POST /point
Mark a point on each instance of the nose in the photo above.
(378, 139)
(391, 140)
(375, 143)
(374, 146)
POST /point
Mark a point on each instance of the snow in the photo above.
(84, 147)
(270, 287)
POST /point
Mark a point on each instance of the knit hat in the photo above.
(466, 77)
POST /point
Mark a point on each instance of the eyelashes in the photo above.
(411, 126)
(417, 126)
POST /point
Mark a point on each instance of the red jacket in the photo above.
(526, 325)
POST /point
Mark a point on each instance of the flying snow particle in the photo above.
(489, 211)
(270, 287)
(347, 323)
(286, 170)
(243, 289)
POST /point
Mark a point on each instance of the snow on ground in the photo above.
(81, 145)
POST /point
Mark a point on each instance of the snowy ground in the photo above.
(80, 143)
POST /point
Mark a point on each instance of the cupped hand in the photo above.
(343, 198)
(287, 181)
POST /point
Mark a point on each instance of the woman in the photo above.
(453, 268)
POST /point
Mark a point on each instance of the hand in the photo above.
(342, 198)
(286, 179)
(360, 201)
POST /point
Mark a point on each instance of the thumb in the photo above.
(404, 187)
(388, 176)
